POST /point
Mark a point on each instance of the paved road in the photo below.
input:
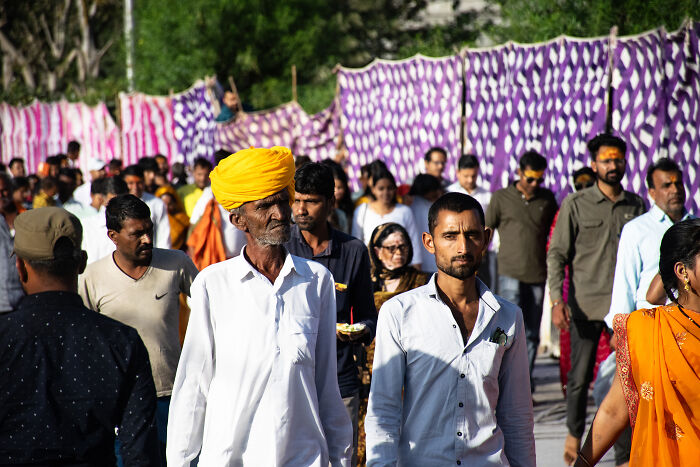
(550, 416)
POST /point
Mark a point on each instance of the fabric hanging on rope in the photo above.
(147, 127)
(195, 127)
(548, 97)
(396, 110)
(639, 104)
(682, 139)
(287, 125)
(40, 130)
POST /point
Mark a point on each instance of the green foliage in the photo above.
(539, 20)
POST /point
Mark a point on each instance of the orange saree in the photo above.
(658, 364)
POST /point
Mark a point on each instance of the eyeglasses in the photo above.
(532, 180)
(393, 248)
(581, 186)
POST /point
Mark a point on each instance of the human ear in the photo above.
(21, 270)
(428, 243)
(239, 221)
(681, 273)
(488, 236)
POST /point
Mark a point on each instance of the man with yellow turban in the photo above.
(256, 383)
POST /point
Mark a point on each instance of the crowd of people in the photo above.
(253, 310)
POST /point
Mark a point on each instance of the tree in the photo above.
(539, 20)
(55, 47)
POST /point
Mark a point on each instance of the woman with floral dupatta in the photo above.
(657, 384)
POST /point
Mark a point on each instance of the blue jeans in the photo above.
(529, 298)
(162, 410)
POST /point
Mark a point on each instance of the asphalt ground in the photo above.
(550, 416)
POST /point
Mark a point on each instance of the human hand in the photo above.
(561, 316)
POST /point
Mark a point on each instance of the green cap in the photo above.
(38, 230)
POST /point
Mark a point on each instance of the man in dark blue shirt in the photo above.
(70, 377)
(347, 259)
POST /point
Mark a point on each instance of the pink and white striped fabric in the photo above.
(40, 129)
(147, 127)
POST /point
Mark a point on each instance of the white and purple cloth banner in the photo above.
(286, 125)
(656, 102)
(180, 127)
(548, 97)
(397, 110)
(43, 129)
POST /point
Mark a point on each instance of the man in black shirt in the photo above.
(70, 377)
(347, 258)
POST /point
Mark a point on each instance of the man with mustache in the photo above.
(586, 238)
(450, 373)
(257, 382)
(140, 286)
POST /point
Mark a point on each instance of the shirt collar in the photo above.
(659, 215)
(50, 300)
(332, 241)
(245, 270)
(485, 294)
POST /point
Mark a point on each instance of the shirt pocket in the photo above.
(591, 231)
(301, 335)
(488, 359)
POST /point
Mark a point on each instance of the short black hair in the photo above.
(148, 164)
(534, 160)
(115, 163)
(665, 165)
(73, 146)
(468, 161)
(14, 161)
(68, 172)
(97, 186)
(134, 170)
(202, 162)
(55, 160)
(606, 139)
(48, 183)
(680, 244)
(66, 261)
(424, 184)
(115, 186)
(160, 156)
(453, 202)
(583, 171)
(220, 155)
(20, 182)
(432, 150)
(314, 178)
(299, 161)
(123, 207)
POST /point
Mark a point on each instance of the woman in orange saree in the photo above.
(657, 385)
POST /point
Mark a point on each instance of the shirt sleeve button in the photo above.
(454, 326)
(459, 433)
(462, 375)
(459, 462)
(461, 404)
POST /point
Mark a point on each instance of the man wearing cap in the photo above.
(72, 378)
(96, 168)
(256, 383)
(140, 286)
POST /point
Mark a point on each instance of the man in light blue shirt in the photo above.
(450, 383)
(638, 251)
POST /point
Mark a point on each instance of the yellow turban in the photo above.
(253, 174)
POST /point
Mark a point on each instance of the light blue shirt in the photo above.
(435, 401)
(637, 261)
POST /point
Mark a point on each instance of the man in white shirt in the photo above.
(450, 382)
(96, 169)
(425, 190)
(134, 178)
(96, 242)
(638, 252)
(256, 383)
(467, 183)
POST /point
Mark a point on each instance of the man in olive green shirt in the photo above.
(523, 213)
(585, 239)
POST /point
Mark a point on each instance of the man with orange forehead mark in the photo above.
(585, 239)
(256, 383)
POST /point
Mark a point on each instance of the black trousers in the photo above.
(584, 346)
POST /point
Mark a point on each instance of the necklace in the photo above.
(680, 308)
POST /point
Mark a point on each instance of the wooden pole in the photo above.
(612, 44)
(294, 83)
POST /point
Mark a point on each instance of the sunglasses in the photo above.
(394, 248)
(581, 186)
(532, 180)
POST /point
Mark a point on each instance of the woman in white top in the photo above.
(383, 208)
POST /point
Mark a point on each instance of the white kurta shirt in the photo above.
(256, 384)
(435, 400)
(161, 223)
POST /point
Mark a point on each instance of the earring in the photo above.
(686, 287)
